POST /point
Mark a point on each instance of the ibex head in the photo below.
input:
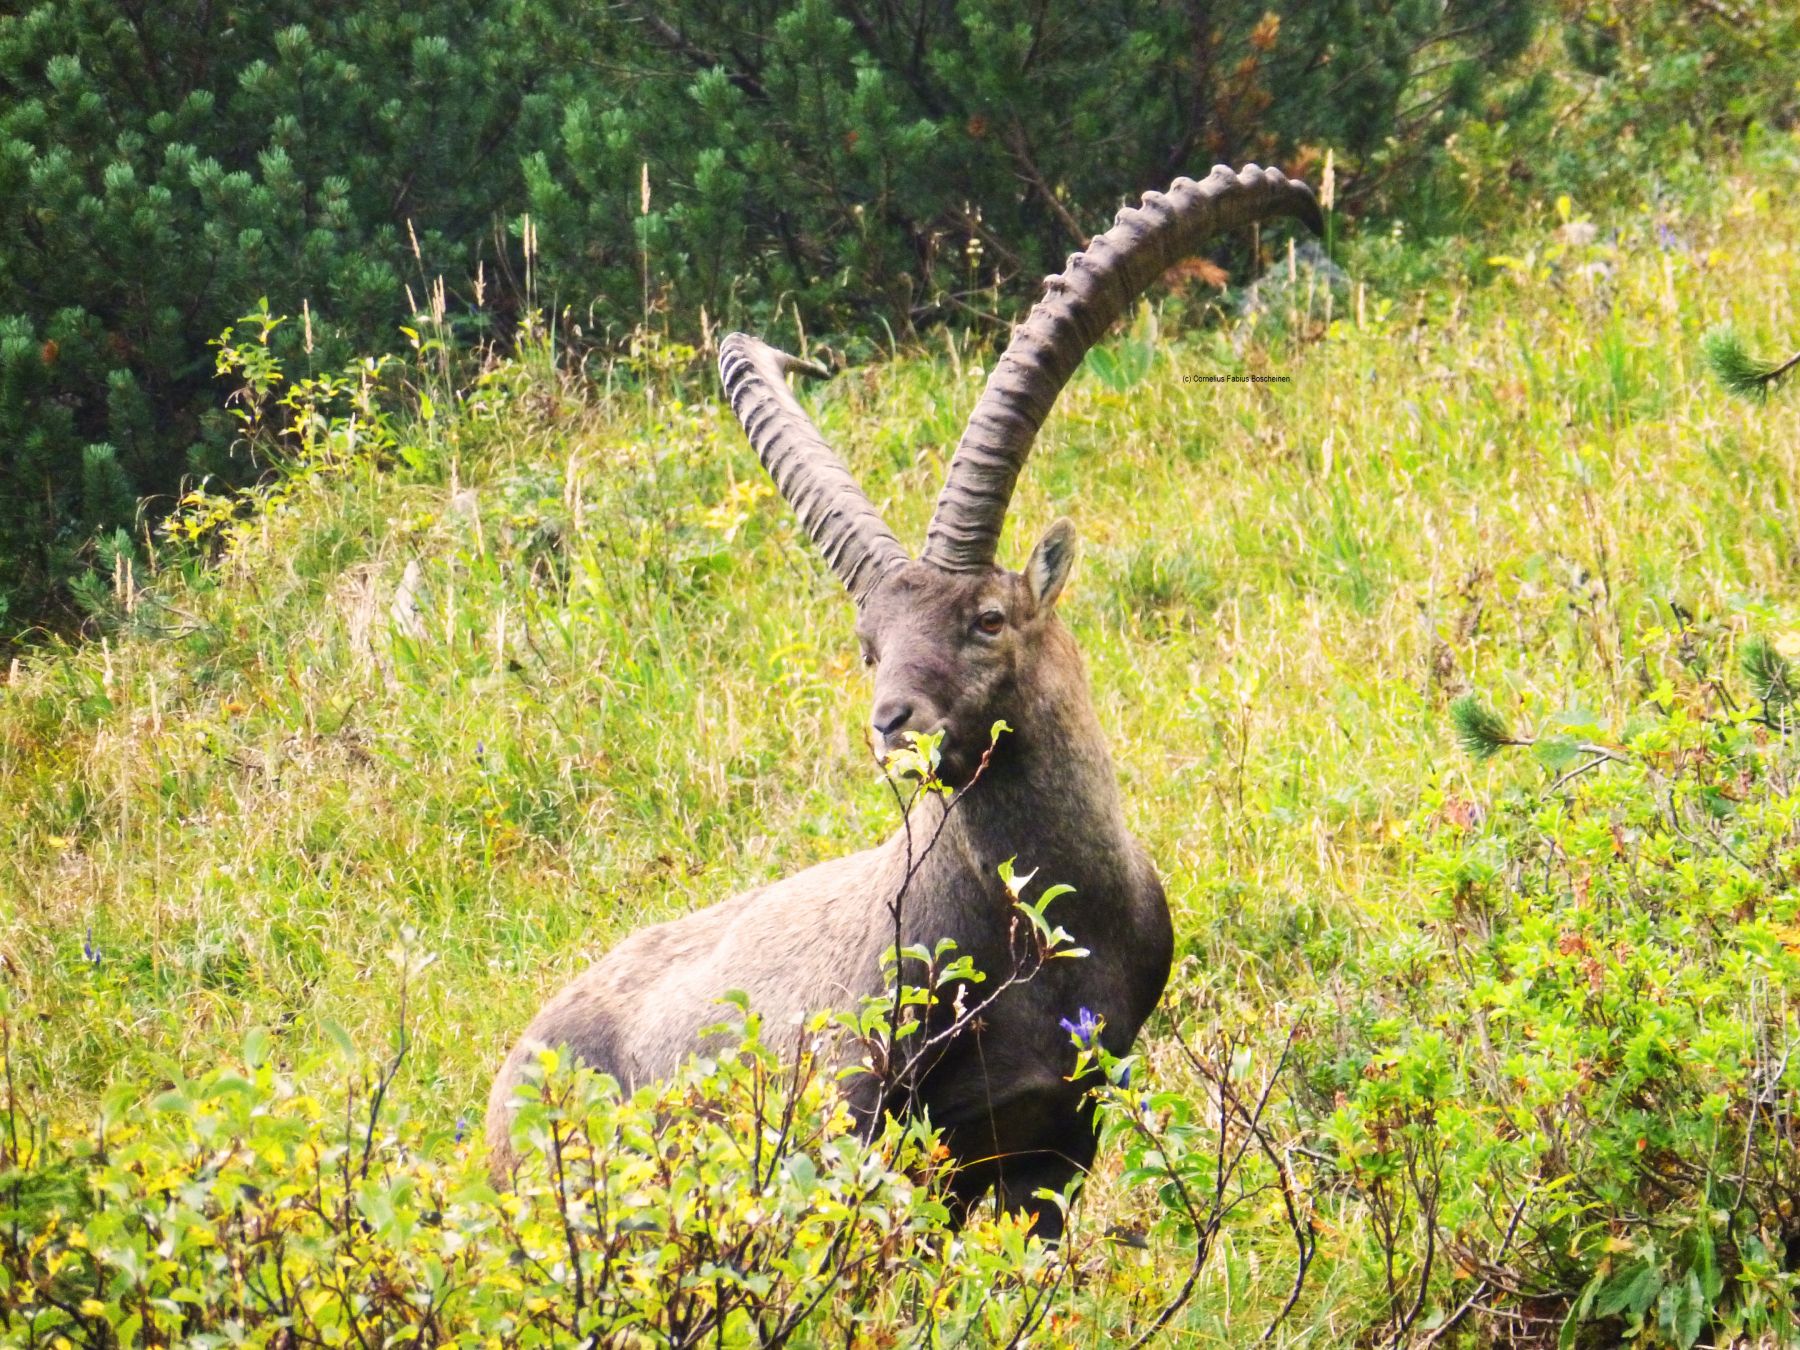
(954, 652)
(956, 642)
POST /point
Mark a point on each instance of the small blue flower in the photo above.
(1125, 1075)
(1085, 1029)
(1666, 237)
(88, 949)
(462, 1125)
(481, 754)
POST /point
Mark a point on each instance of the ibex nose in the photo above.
(890, 715)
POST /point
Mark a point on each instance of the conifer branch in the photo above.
(1771, 674)
(1480, 731)
(1734, 367)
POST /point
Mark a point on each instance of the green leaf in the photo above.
(1556, 753)
(335, 1033)
(1681, 1311)
(1632, 1289)
(1015, 882)
(1706, 1259)
(801, 1169)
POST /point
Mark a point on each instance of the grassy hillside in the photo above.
(566, 667)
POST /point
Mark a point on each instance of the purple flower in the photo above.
(1125, 1075)
(462, 1125)
(1085, 1029)
(88, 949)
(1666, 237)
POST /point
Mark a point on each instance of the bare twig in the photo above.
(403, 1041)
(1449, 1324)
(890, 1079)
(1227, 1164)
(1028, 170)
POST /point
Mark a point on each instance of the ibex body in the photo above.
(956, 644)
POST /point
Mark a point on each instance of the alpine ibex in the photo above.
(955, 643)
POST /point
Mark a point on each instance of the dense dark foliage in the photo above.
(896, 161)
(877, 164)
(163, 165)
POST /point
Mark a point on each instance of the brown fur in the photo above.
(956, 645)
(1049, 798)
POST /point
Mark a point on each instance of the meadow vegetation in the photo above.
(1448, 682)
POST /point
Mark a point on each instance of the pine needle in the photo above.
(1734, 367)
(1770, 673)
(1481, 732)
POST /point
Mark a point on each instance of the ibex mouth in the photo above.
(903, 756)
(899, 743)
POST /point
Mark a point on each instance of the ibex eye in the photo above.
(991, 621)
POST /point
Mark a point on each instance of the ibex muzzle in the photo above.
(956, 644)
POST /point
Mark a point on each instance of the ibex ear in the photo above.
(1051, 562)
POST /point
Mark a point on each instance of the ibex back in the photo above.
(956, 644)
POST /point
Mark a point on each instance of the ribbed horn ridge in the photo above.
(1077, 309)
(833, 510)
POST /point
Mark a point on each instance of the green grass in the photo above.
(632, 690)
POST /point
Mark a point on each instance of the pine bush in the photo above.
(871, 165)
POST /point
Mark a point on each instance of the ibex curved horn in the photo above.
(834, 511)
(1077, 309)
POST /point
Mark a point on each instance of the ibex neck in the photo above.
(1049, 799)
(1052, 767)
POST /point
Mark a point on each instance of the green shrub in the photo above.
(901, 165)
(1648, 99)
(1667, 69)
(1572, 1087)
(263, 1203)
(268, 1206)
(161, 168)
